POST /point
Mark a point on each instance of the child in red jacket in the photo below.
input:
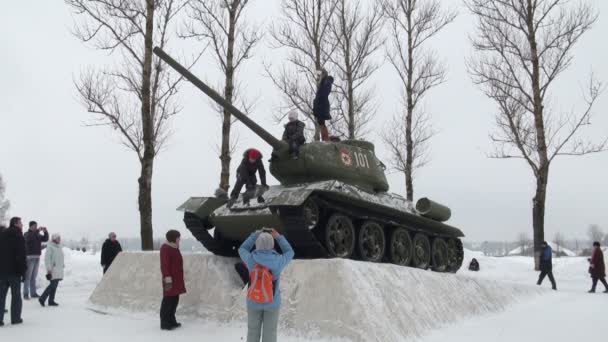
(172, 269)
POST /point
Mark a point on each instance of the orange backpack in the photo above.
(261, 285)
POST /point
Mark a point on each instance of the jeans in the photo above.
(262, 321)
(547, 273)
(50, 291)
(14, 283)
(167, 311)
(29, 285)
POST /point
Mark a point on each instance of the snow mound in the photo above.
(332, 298)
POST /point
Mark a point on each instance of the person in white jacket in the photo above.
(54, 269)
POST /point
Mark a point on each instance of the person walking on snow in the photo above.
(109, 250)
(12, 268)
(263, 318)
(320, 106)
(33, 249)
(245, 175)
(172, 270)
(546, 265)
(54, 262)
(294, 134)
(597, 268)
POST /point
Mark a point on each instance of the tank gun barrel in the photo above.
(262, 133)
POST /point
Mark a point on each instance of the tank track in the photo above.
(295, 224)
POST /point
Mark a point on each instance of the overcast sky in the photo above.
(79, 181)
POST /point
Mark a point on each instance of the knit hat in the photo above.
(55, 237)
(254, 154)
(292, 115)
(264, 242)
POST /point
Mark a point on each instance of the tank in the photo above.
(333, 201)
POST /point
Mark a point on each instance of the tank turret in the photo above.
(352, 161)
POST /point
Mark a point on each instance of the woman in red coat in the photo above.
(172, 269)
(597, 267)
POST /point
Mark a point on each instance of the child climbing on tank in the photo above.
(245, 175)
(294, 134)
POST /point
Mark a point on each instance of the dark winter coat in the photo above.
(247, 170)
(12, 253)
(294, 131)
(546, 263)
(33, 242)
(320, 105)
(474, 265)
(172, 267)
(599, 268)
(109, 251)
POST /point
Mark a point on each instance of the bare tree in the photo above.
(559, 240)
(356, 34)
(136, 97)
(4, 203)
(523, 241)
(221, 24)
(412, 24)
(595, 233)
(304, 31)
(521, 49)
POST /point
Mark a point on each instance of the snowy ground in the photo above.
(565, 315)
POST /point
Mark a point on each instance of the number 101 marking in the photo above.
(361, 160)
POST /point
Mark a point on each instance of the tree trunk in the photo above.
(538, 214)
(409, 155)
(145, 204)
(147, 159)
(228, 95)
(542, 174)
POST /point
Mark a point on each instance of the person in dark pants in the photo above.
(245, 175)
(597, 268)
(54, 262)
(33, 249)
(109, 250)
(320, 106)
(172, 269)
(546, 265)
(12, 268)
(294, 134)
(474, 265)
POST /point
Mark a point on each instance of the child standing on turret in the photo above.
(321, 108)
(294, 134)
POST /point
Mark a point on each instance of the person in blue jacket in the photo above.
(546, 265)
(265, 317)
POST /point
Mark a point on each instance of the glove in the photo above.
(49, 277)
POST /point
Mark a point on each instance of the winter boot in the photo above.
(591, 291)
(53, 304)
(41, 302)
(261, 199)
(19, 321)
(606, 291)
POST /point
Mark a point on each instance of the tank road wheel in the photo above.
(455, 255)
(371, 243)
(340, 236)
(312, 214)
(400, 247)
(422, 251)
(440, 255)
